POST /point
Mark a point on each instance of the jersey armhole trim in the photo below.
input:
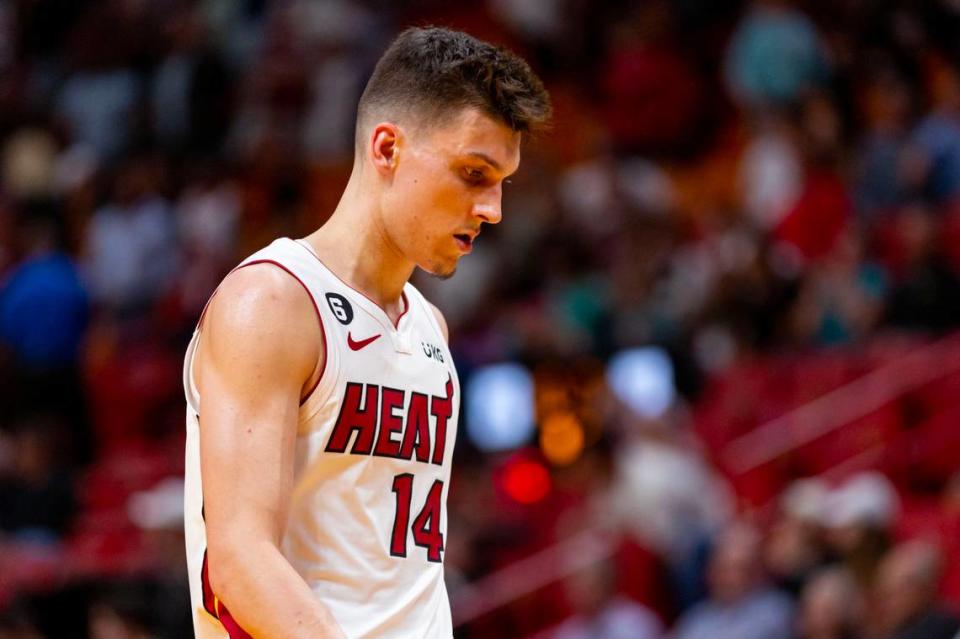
(316, 309)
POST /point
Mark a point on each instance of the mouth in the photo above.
(464, 242)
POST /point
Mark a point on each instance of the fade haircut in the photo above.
(433, 73)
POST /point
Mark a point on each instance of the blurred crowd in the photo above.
(766, 191)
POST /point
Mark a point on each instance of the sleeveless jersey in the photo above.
(367, 516)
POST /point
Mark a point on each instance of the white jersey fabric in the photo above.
(374, 443)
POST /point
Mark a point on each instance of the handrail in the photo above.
(842, 405)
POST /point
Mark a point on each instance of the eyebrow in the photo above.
(486, 158)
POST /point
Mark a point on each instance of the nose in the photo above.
(489, 208)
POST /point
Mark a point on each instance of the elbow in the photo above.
(228, 565)
(221, 572)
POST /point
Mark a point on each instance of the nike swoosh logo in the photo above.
(356, 346)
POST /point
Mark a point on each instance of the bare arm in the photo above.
(258, 353)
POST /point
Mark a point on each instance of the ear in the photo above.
(385, 142)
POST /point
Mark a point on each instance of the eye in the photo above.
(474, 176)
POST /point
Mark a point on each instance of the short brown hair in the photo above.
(434, 71)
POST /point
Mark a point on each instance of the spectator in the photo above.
(906, 595)
(28, 161)
(44, 314)
(858, 517)
(842, 297)
(191, 91)
(130, 244)
(599, 613)
(885, 108)
(817, 219)
(36, 492)
(794, 550)
(926, 295)
(770, 173)
(43, 303)
(830, 607)
(931, 164)
(741, 605)
(158, 513)
(667, 495)
(653, 97)
(99, 99)
(124, 610)
(774, 55)
(207, 216)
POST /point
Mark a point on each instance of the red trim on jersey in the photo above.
(403, 294)
(406, 307)
(209, 599)
(316, 309)
(323, 332)
(234, 630)
(215, 607)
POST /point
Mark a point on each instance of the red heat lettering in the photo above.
(390, 423)
(416, 435)
(442, 409)
(353, 418)
(377, 414)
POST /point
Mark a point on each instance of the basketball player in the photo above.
(322, 398)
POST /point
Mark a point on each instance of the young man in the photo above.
(323, 440)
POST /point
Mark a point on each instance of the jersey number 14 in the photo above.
(426, 526)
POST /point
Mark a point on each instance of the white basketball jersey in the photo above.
(374, 442)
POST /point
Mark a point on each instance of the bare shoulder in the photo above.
(261, 317)
(440, 320)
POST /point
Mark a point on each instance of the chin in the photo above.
(442, 271)
(445, 274)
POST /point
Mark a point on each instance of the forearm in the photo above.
(266, 596)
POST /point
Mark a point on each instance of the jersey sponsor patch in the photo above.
(433, 352)
(340, 308)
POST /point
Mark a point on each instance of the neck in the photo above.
(354, 245)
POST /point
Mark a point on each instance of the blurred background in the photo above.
(710, 358)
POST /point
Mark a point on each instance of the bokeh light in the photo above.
(500, 407)
(642, 378)
(526, 481)
(561, 438)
